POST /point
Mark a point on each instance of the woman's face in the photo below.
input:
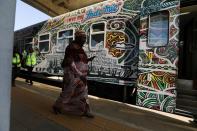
(81, 39)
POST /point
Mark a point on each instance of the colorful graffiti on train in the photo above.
(122, 50)
(117, 51)
(158, 65)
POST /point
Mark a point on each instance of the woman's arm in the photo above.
(79, 73)
(76, 71)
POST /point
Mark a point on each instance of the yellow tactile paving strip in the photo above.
(42, 105)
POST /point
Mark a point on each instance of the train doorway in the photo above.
(187, 73)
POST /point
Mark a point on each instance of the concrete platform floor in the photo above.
(31, 111)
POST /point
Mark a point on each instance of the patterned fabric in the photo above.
(74, 95)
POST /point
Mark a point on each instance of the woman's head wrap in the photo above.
(79, 33)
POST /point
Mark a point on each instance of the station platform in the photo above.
(31, 111)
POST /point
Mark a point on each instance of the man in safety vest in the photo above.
(30, 63)
(24, 55)
(16, 64)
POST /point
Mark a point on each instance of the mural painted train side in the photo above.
(135, 41)
(112, 30)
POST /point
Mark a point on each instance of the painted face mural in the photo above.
(116, 43)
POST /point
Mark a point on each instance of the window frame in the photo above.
(168, 36)
(95, 33)
(30, 43)
(44, 41)
(73, 36)
(19, 43)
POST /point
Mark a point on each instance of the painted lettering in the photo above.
(107, 9)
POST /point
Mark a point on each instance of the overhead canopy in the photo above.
(58, 7)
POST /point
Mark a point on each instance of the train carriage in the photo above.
(112, 32)
(136, 43)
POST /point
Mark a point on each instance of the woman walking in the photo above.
(74, 96)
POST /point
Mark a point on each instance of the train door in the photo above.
(158, 55)
(187, 82)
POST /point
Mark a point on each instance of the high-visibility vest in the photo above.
(31, 59)
(24, 54)
(16, 60)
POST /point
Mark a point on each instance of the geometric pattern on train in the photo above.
(161, 102)
(52, 24)
(165, 4)
(159, 93)
(155, 5)
(133, 5)
(160, 81)
(149, 57)
(156, 82)
(116, 23)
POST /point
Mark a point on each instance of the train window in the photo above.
(28, 42)
(98, 27)
(158, 32)
(44, 43)
(97, 36)
(44, 37)
(63, 39)
(27, 46)
(19, 44)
